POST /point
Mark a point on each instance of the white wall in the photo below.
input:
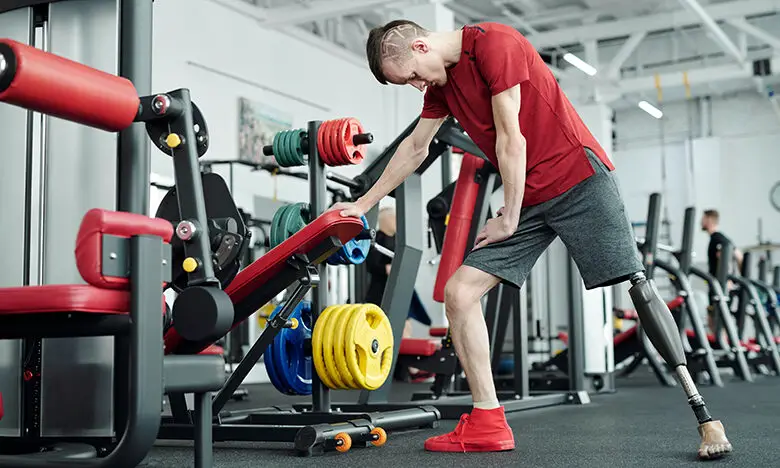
(222, 56)
(731, 169)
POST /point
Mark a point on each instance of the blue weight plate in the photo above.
(270, 367)
(294, 364)
(270, 359)
(355, 251)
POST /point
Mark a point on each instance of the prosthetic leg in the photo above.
(662, 331)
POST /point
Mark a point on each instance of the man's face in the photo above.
(424, 68)
(706, 223)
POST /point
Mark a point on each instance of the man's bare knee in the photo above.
(464, 289)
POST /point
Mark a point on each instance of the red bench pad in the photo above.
(254, 276)
(417, 347)
(63, 298)
(440, 332)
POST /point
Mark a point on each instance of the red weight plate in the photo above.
(332, 157)
(334, 136)
(356, 152)
(333, 131)
(321, 137)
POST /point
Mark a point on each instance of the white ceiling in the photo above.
(714, 42)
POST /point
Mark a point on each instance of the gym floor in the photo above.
(643, 424)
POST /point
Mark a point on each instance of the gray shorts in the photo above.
(592, 222)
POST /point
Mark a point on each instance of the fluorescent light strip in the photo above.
(585, 67)
(651, 109)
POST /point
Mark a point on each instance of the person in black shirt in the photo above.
(710, 222)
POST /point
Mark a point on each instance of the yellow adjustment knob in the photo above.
(173, 140)
(447, 219)
(189, 264)
(293, 323)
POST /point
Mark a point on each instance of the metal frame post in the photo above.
(318, 198)
(403, 274)
(576, 331)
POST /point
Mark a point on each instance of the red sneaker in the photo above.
(480, 431)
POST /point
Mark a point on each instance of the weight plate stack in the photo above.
(286, 360)
(352, 347)
(288, 220)
(288, 148)
(336, 144)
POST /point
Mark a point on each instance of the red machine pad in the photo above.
(256, 275)
(89, 243)
(315, 233)
(755, 341)
(417, 347)
(461, 212)
(753, 347)
(624, 336)
(63, 298)
(439, 332)
(213, 350)
(56, 86)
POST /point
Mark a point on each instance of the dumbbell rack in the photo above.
(313, 430)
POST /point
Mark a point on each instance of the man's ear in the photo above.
(419, 45)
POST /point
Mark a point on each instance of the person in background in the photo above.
(378, 266)
(710, 223)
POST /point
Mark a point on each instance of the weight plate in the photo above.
(340, 348)
(332, 335)
(270, 363)
(337, 156)
(369, 346)
(270, 368)
(353, 153)
(330, 156)
(321, 142)
(317, 348)
(292, 362)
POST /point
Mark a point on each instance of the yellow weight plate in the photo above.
(331, 335)
(341, 347)
(371, 339)
(316, 346)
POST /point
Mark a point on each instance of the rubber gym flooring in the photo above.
(643, 424)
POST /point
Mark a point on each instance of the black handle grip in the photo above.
(363, 138)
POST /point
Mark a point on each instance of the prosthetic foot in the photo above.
(661, 329)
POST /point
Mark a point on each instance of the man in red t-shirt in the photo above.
(557, 180)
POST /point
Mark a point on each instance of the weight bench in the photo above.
(293, 262)
(124, 259)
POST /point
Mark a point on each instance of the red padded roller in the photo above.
(461, 212)
(33, 79)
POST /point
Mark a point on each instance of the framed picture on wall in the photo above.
(257, 125)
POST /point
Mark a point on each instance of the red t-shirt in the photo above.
(495, 58)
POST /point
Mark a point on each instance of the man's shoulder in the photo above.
(491, 34)
(719, 238)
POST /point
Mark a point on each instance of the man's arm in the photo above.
(510, 152)
(411, 152)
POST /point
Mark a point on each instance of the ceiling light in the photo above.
(651, 109)
(585, 67)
